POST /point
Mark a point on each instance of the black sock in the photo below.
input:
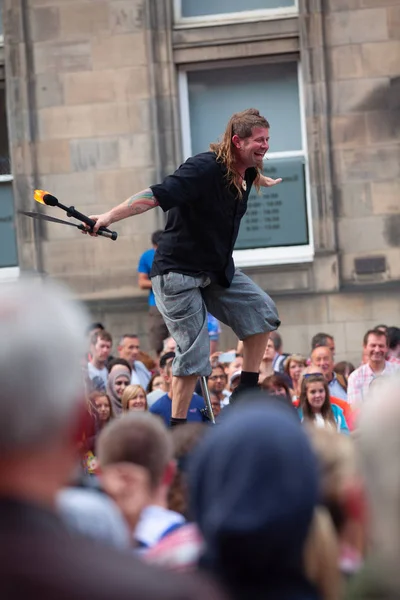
(174, 422)
(248, 379)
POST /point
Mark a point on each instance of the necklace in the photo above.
(243, 184)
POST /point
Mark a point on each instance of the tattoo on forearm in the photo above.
(141, 202)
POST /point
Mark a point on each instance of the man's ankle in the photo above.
(241, 391)
(174, 422)
(248, 379)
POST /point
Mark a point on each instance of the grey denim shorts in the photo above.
(184, 301)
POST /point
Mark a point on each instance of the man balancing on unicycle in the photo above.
(193, 270)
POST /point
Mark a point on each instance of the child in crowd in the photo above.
(315, 404)
(134, 398)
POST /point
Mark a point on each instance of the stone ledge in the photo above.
(227, 51)
(234, 33)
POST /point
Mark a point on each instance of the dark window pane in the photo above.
(8, 247)
(197, 8)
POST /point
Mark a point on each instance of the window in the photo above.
(8, 245)
(211, 11)
(276, 228)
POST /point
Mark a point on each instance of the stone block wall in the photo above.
(93, 118)
(91, 137)
(363, 38)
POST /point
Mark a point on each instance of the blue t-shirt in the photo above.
(144, 266)
(214, 329)
(163, 408)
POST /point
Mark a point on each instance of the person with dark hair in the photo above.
(280, 357)
(323, 339)
(375, 345)
(344, 368)
(153, 396)
(216, 384)
(253, 485)
(95, 328)
(193, 270)
(393, 334)
(156, 383)
(114, 362)
(157, 328)
(276, 385)
(316, 407)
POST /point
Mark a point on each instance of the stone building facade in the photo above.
(100, 97)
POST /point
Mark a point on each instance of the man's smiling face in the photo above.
(253, 149)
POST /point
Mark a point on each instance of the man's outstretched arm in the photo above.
(135, 205)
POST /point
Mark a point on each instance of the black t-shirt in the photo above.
(204, 215)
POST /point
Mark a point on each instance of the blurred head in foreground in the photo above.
(378, 444)
(42, 406)
(254, 487)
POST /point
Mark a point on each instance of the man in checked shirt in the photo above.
(375, 350)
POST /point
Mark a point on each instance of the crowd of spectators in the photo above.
(293, 492)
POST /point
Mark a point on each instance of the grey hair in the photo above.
(378, 443)
(42, 342)
(127, 335)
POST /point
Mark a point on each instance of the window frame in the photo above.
(9, 274)
(279, 255)
(246, 16)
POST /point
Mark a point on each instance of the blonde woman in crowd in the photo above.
(134, 399)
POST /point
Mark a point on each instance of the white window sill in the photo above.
(9, 274)
(273, 256)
